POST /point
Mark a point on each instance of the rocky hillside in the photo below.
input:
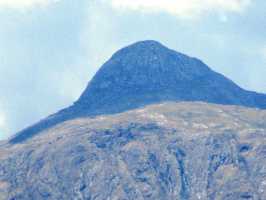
(153, 124)
(146, 73)
(184, 151)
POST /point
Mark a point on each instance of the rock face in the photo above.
(184, 151)
(146, 73)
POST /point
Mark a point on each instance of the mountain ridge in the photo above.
(146, 73)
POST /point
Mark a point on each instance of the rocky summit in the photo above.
(152, 124)
(146, 73)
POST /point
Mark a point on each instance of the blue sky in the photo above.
(50, 49)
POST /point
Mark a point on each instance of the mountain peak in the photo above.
(143, 68)
(146, 73)
(150, 51)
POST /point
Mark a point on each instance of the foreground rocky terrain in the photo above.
(184, 151)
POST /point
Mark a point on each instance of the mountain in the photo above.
(167, 151)
(153, 124)
(146, 73)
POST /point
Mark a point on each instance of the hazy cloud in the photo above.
(24, 4)
(181, 8)
(2, 120)
(263, 52)
(102, 28)
(3, 124)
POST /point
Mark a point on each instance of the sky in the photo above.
(50, 49)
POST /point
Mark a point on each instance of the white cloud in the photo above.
(24, 4)
(181, 8)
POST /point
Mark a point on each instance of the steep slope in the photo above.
(145, 73)
(185, 151)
